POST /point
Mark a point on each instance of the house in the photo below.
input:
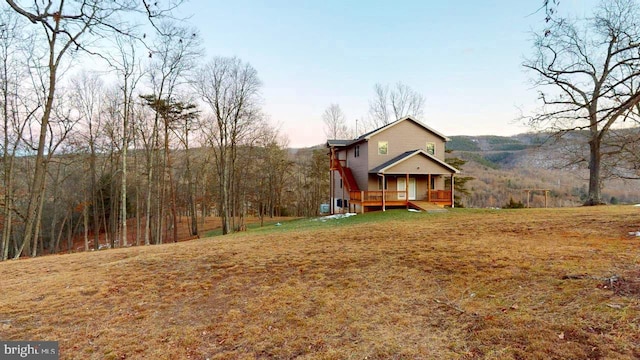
(398, 165)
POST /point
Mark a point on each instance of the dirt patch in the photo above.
(627, 284)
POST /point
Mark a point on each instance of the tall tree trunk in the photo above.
(191, 189)
(8, 202)
(224, 195)
(123, 188)
(123, 203)
(594, 196)
(147, 224)
(169, 170)
(114, 219)
(94, 194)
(38, 183)
(85, 218)
(8, 161)
(58, 237)
(36, 236)
(137, 188)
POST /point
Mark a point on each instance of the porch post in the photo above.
(406, 190)
(332, 191)
(453, 203)
(429, 187)
(331, 183)
(383, 194)
(362, 201)
(343, 184)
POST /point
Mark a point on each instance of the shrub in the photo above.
(513, 204)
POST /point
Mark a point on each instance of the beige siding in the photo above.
(341, 154)
(418, 164)
(421, 187)
(339, 191)
(359, 165)
(403, 136)
(373, 182)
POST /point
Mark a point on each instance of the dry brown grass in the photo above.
(521, 284)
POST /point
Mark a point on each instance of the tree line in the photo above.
(117, 130)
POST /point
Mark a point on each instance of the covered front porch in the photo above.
(396, 190)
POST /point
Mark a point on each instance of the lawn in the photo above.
(476, 284)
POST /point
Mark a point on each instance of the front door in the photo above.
(402, 188)
(412, 188)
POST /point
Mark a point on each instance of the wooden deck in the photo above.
(387, 198)
(425, 205)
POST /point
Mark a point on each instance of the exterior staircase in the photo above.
(347, 176)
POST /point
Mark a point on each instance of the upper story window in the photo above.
(383, 147)
(431, 148)
(356, 151)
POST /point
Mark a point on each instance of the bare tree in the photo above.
(335, 123)
(67, 27)
(130, 73)
(390, 104)
(12, 72)
(183, 127)
(311, 182)
(625, 144)
(60, 124)
(174, 56)
(586, 71)
(87, 97)
(230, 89)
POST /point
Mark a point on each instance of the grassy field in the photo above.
(475, 284)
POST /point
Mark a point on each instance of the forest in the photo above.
(120, 130)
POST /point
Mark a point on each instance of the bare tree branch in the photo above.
(588, 69)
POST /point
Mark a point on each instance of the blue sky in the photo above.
(464, 56)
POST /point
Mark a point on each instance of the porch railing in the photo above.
(440, 195)
(376, 195)
(389, 195)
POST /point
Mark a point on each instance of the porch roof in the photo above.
(386, 166)
(339, 143)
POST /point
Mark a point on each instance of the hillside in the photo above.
(504, 166)
(526, 284)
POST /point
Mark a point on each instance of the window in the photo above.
(380, 183)
(340, 183)
(383, 147)
(356, 151)
(431, 148)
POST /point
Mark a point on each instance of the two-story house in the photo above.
(398, 165)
